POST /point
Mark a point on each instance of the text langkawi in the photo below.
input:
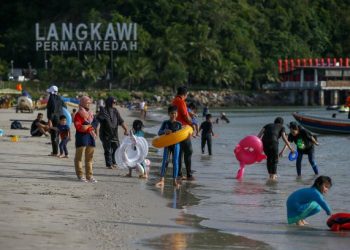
(86, 37)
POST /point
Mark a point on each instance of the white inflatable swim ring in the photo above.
(131, 152)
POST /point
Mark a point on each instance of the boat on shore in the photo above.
(323, 125)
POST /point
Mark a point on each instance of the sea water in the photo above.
(255, 207)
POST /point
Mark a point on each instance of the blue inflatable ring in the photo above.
(68, 116)
(293, 156)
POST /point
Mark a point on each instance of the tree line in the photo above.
(202, 43)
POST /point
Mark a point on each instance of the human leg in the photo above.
(164, 162)
(54, 141)
(203, 141)
(78, 162)
(271, 152)
(298, 162)
(89, 154)
(115, 146)
(107, 148)
(209, 141)
(311, 156)
(176, 151)
(187, 156)
(61, 147)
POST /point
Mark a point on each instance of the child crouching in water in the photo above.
(167, 127)
(137, 131)
(306, 202)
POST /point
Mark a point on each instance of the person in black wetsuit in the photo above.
(207, 133)
(270, 135)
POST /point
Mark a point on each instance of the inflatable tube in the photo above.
(163, 141)
(248, 151)
(68, 116)
(293, 157)
(339, 221)
(132, 151)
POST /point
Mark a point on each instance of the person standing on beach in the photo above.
(270, 135)
(54, 110)
(109, 118)
(85, 125)
(64, 132)
(184, 118)
(168, 127)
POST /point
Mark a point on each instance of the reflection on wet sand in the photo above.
(205, 238)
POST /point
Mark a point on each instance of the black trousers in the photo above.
(109, 148)
(54, 136)
(206, 139)
(271, 151)
(186, 153)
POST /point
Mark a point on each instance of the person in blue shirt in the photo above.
(167, 127)
(306, 202)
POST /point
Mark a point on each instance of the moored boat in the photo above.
(323, 125)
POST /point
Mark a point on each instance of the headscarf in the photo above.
(109, 102)
(87, 114)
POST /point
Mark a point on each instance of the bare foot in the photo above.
(300, 223)
(176, 183)
(128, 175)
(160, 183)
(305, 222)
(143, 176)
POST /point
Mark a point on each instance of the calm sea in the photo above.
(255, 208)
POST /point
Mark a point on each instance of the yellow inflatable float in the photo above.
(173, 138)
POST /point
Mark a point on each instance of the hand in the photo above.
(316, 143)
(280, 154)
(167, 131)
(85, 127)
(126, 132)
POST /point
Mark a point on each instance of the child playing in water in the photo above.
(270, 135)
(137, 131)
(306, 202)
(167, 127)
(192, 111)
(305, 142)
(207, 133)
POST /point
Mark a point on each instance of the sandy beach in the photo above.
(43, 206)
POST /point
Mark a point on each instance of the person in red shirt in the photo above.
(184, 118)
(347, 104)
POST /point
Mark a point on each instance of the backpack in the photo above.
(16, 125)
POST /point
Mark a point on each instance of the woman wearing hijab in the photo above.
(85, 136)
(109, 118)
(54, 110)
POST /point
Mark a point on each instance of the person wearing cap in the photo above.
(184, 118)
(270, 135)
(54, 110)
(110, 118)
(305, 142)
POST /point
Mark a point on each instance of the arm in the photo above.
(261, 133)
(125, 128)
(321, 201)
(314, 141)
(162, 128)
(284, 137)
